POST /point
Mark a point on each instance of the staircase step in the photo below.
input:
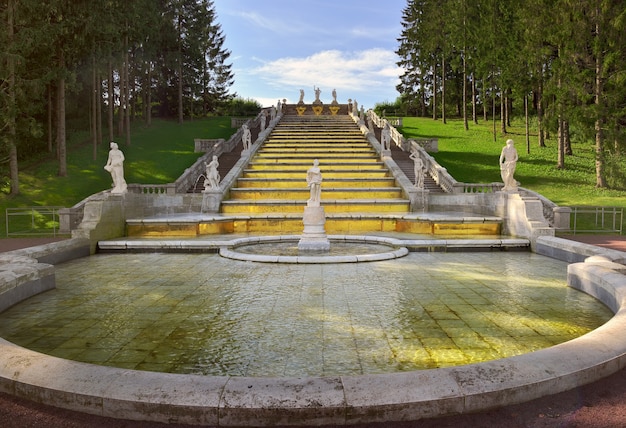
(330, 206)
(301, 174)
(305, 164)
(328, 182)
(303, 193)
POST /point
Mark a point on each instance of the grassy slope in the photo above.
(157, 155)
(472, 156)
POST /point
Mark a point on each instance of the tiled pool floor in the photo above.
(200, 313)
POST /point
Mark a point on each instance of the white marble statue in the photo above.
(115, 165)
(263, 120)
(246, 137)
(279, 107)
(318, 91)
(314, 181)
(334, 96)
(273, 114)
(508, 162)
(212, 181)
(301, 101)
(385, 137)
(418, 168)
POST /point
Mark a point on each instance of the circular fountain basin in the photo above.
(343, 249)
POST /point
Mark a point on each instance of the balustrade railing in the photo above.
(204, 145)
(477, 187)
(152, 189)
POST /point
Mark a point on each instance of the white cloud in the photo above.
(367, 71)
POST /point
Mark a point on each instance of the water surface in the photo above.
(200, 313)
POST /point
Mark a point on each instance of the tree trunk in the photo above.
(180, 73)
(120, 110)
(99, 109)
(474, 116)
(540, 125)
(484, 98)
(94, 109)
(61, 137)
(566, 139)
(423, 95)
(465, 124)
(599, 146)
(527, 123)
(561, 145)
(50, 110)
(443, 89)
(12, 126)
(493, 111)
(127, 90)
(149, 96)
(111, 106)
(435, 91)
(502, 112)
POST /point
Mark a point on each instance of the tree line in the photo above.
(562, 63)
(66, 63)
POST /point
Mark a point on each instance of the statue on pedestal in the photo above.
(246, 137)
(318, 91)
(212, 181)
(115, 165)
(508, 162)
(418, 168)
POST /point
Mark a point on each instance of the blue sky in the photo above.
(281, 46)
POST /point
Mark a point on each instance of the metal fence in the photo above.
(31, 221)
(597, 219)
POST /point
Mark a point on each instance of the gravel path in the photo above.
(601, 404)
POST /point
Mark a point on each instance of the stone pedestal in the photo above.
(317, 107)
(419, 199)
(314, 235)
(211, 200)
(385, 153)
(300, 108)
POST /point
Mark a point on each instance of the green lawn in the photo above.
(161, 153)
(158, 154)
(472, 156)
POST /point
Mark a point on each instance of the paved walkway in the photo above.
(601, 404)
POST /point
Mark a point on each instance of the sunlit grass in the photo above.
(157, 155)
(472, 156)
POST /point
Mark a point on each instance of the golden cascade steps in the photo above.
(355, 179)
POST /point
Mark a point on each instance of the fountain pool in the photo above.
(203, 314)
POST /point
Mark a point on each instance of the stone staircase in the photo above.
(355, 179)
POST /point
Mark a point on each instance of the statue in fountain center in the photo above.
(314, 181)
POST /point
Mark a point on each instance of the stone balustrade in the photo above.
(209, 144)
(153, 189)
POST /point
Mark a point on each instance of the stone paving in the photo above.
(199, 313)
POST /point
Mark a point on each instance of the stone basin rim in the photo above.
(341, 400)
(397, 250)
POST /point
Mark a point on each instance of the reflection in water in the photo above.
(199, 313)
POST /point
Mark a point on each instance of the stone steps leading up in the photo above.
(355, 179)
